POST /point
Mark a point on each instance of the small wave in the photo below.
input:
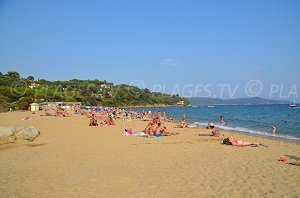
(246, 130)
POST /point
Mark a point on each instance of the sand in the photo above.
(71, 159)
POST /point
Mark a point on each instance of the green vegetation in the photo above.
(17, 92)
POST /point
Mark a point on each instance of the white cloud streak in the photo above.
(169, 62)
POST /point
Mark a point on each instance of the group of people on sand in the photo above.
(57, 112)
(146, 115)
(94, 121)
(102, 118)
(158, 130)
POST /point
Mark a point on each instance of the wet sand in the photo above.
(71, 159)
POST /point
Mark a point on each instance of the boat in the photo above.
(293, 105)
(210, 106)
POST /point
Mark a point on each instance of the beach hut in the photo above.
(34, 107)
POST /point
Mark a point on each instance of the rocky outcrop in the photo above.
(7, 135)
(17, 134)
(26, 133)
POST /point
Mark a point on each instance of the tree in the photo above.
(13, 75)
(24, 102)
(5, 103)
(31, 78)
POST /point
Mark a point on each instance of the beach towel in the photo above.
(129, 133)
(139, 133)
(191, 126)
(154, 136)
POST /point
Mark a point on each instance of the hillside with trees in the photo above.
(17, 92)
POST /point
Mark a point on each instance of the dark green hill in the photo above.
(17, 92)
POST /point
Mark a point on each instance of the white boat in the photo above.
(293, 105)
(210, 106)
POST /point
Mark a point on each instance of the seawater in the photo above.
(254, 119)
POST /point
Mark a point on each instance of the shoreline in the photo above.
(262, 136)
(271, 137)
(258, 135)
(203, 127)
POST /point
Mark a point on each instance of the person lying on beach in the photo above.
(214, 133)
(231, 141)
(167, 133)
(162, 131)
(27, 118)
(47, 113)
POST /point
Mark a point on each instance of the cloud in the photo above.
(169, 62)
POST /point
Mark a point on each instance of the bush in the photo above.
(23, 103)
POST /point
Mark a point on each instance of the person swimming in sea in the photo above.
(222, 119)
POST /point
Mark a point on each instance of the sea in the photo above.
(249, 119)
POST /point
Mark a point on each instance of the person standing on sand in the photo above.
(273, 129)
(165, 115)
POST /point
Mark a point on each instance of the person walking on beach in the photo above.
(273, 129)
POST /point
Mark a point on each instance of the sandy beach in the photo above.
(71, 159)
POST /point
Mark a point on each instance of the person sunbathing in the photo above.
(231, 141)
(183, 124)
(47, 113)
(150, 128)
(159, 130)
(167, 133)
(162, 131)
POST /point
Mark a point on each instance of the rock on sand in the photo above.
(18, 133)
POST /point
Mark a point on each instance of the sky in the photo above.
(224, 49)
